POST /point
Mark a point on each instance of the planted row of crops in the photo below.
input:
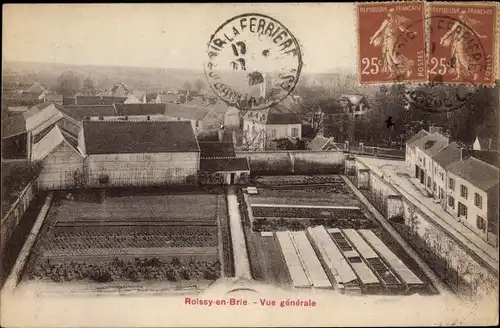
(281, 224)
(135, 270)
(330, 189)
(299, 212)
(301, 179)
(172, 236)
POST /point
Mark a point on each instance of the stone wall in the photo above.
(294, 162)
(11, 220)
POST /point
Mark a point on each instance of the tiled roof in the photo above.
(69, 101)
(42, 114)
(98, 100)
(482, 175)
(53, 97)
(353, 99)
(448, 155)
(220, 107)
(278, 114)
(121, 137)
(318, 143)
(151, 96)
(48, 143)
(196, 101)
(187, 112)
(78, 112)
(420, 134)
(224, 164)
(216, 149)
(168, 98)
(439, 142)
(140, 109)
(139, 94)
(13, 126)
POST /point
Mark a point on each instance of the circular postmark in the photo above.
(455, 56)
(253, 62)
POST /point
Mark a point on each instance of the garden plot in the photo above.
(299, 218)
(132, 238)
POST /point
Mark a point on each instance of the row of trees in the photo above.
(197, 85)
(68, 84)
(478, 116)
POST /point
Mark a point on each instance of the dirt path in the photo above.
(241, 263)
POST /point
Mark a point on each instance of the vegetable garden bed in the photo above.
(300, 212)
(131, 237)
(134, 270)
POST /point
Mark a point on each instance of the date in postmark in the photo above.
(253, 61)
(462, 43)
(391, 45)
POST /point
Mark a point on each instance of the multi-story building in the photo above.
(410, 157)
(448, 155)
(472, 195)
(425, 148)
(261, 127)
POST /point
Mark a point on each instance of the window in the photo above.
(273, 133)
(463, 191)
(355, 259)
(149, 118)
(197, 124)
(424, 161)
(451, 184)
(451, 202)
(434, 186)
(442, 176)
(478, 200)
(428, 182)
(295, 132)
(462, 210)
(481, 223)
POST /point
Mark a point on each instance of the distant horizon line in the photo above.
(332, 70)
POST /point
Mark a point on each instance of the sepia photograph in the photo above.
(250, 164)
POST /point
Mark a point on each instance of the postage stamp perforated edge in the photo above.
(495, 34)
(426, 16)
(358, 48)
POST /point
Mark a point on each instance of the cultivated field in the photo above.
(296, 202)
(157, 236)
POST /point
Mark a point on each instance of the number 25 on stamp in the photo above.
(391, 42)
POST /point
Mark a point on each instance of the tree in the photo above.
(68, 84)
(199, 85)
(253, 141)
(88, 85)
(187, 85)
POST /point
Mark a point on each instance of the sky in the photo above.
(166, 35)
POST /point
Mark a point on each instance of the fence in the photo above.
(11, 219)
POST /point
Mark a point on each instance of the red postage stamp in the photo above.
(391, 42)
(462, 43)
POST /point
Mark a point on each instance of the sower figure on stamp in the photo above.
(456, 37)
(386, 37)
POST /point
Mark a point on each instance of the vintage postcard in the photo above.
(224, 165)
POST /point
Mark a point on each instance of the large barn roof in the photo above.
(126, 137)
